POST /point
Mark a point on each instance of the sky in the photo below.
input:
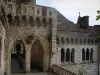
(71, 8)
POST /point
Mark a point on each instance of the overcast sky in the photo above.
(71, 8)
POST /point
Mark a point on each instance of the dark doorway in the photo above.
(18, 58)
(37, 57)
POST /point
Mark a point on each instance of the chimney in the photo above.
(84, 22)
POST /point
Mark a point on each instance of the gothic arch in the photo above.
(17, 19)
(24, 19)
(31, 20)
(46, 53)
(9, 19)
(44, 22)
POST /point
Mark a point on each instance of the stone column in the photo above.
(27, 59)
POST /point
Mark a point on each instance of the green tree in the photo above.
(98, 16)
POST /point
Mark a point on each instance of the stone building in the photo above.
(34, 37)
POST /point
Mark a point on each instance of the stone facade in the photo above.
(27, 22)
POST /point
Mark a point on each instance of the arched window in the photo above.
(17, 20)
(62, 40)
(91, 55)
(87, 54)
(84, 41)
(62, 55)
(44, 22)
(24, 19)
(96, 41)
(88, 41)
(92, 41)
(68, 55)
(19, 47)
(76, 41)
(9, 18)
(31, 20)
(50, 21)
(72, 41)
(80, 41)
(73, 55)
(83, 54)
(58, 41)
(67, 40)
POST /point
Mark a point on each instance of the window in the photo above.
(62, 55)
(83, 54)
(67, 40)
(87, 54)
(84, 41)
(68, 55)
(76, 41)
(91, 55)
(62, 40)
(72, 41)
(73, 55)
(80, 41)
(9, 18)
(92, 41)
(96, 41)
(31, 20)
(88, 41)
(58, 40)
(24, 19)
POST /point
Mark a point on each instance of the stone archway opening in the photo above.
(36, 57)
(18, 58)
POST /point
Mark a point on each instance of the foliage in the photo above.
(98, 16)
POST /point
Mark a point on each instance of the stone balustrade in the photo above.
(61, 71)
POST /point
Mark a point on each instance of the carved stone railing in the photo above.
(61, 71)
